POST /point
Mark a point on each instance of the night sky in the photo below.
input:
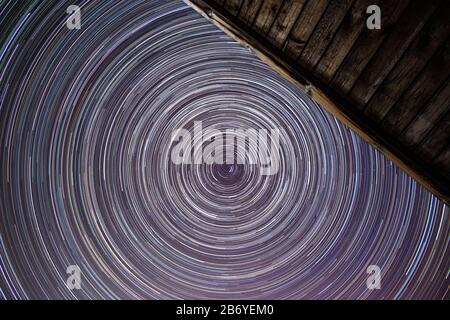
(86, 118)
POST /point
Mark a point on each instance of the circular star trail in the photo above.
(86, 118)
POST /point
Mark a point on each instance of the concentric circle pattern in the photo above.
(87, 179)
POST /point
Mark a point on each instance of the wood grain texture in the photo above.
(267, 15)
(304, 27)
(391, 50)
(412, 62)
(428, 117)
(437, 142)
(323, 33)
(285, 21)
(441, 162)
(249, 10)
(233, 6)
(365, 47)
(420, 91)
(353, 24)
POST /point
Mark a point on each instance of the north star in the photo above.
(193, 310)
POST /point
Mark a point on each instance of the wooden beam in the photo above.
(304, 27)
(340, 107)
(391, 50)
(366, 47)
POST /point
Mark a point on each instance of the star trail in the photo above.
(86, 118)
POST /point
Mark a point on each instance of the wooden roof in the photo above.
(389, 85)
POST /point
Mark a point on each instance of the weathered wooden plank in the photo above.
(285, 21)
(249, 10)
(435, 148)
(323, 33)
(304, 27)
(420, 91)
(232, 6)
(442, 161)
(435, 141)
(391, 50)
(267, 15)
(415, 58)
(428, 117)
(365, 47)
(352, 25)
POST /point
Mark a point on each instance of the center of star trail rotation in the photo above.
(86, 118)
